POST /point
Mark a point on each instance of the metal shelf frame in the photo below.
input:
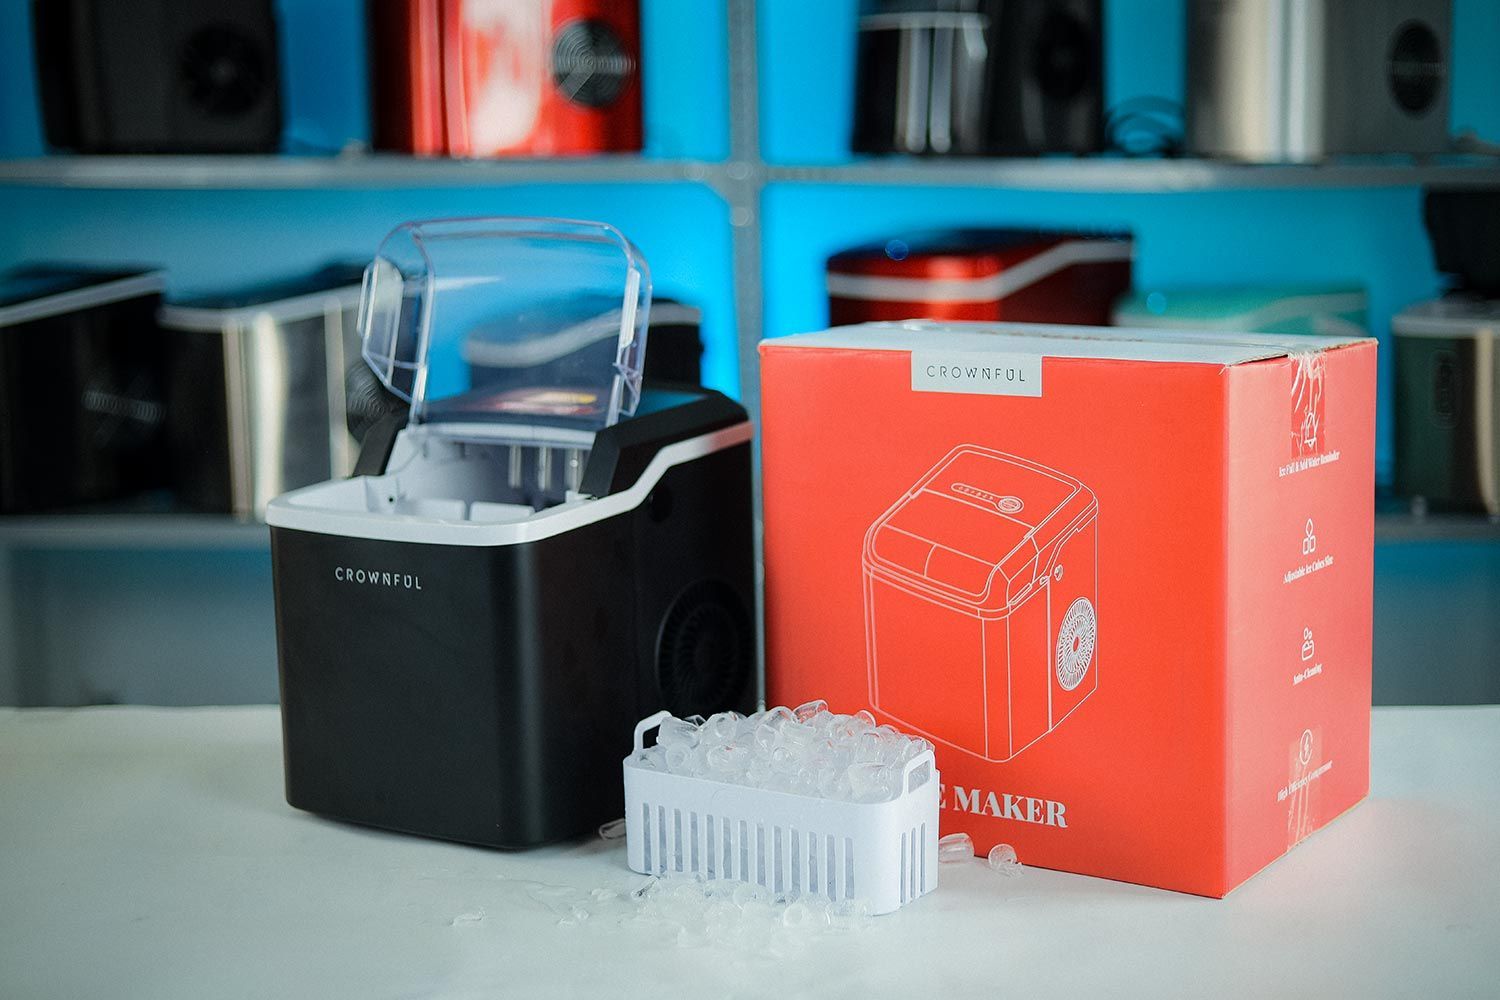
(346, 170)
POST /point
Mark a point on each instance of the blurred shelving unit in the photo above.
(1124, 175)
(741, 210)
(349, 170)
(125, 532)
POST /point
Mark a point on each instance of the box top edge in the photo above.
(1214, 347)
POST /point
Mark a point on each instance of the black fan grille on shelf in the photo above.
(1416, 67)
(705, 651)
(224, 71)
(589, 65)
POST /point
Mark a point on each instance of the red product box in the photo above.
(1122, 579)
(1011, 275)
(486, 78)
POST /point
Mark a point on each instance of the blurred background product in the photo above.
(1326, 310)
(258, 389)
(1447, 410)
(469, 629)
(1448, 365)
(1303, 80)
(1046, 83)
(82, 406)
(505, 77)
(1463, 225)
(969, 77)
(1015, 275)
(158, 76)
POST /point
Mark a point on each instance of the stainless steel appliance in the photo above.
(258, 397)
(1303, 80)
(968, 77)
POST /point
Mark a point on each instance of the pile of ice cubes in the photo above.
(806, 750)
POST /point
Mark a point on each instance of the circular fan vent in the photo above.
(1075, 643)
(225, 71)
(704, 655)
(589, 65)
(1416, 67)
(1063, 60)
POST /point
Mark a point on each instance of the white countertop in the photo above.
(149, 853)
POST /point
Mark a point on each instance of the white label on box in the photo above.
(980, 373)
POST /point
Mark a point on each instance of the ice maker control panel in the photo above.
(1004, 504)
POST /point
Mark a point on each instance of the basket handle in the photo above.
(925, 757)
(647, 724)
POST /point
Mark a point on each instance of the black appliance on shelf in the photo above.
(1448, 362)
(82, 387)
(158, 76)
(975, 77)
(523, 565)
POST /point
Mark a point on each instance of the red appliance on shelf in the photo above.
(486, 78)
(1015, 275)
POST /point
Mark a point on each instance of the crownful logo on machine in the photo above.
(378, 578)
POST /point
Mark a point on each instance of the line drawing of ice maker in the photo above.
(980, 587)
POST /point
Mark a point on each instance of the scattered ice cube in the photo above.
(1003, 859)
(955, 847)
(613, 830)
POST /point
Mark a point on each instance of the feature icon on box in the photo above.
(1307, 644)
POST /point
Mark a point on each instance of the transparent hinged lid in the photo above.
(517, 329)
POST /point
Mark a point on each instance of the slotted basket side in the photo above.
(884, 853)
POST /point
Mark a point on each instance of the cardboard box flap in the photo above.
(1214, 347)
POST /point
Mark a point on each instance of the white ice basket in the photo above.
(881, 853)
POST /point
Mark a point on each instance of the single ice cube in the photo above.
(796, 915)
(808, 709)
(1003, 859)
(721, 726)
(678, 758)
(650, 759)
(955, 847)
(779, 716)
(796, 736)
(869, 782)
(729, 757)
(674, 731)
(613, 830)
(758, 772)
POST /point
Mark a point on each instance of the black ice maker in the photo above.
(469, 628)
